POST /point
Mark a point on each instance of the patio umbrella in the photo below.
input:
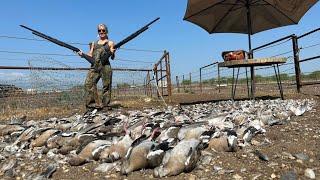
(245, 16)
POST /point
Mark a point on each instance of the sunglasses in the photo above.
(102, 30)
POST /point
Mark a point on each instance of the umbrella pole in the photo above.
(252, 77)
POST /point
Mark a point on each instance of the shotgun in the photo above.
(85, 56)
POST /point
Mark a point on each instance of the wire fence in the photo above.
(309, 53)
(62, 83)
(213, 80)
(31, 78)
(56, 86)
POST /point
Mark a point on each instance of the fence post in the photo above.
(157, 83)
(190, 81)
(219, 78)
(183, 83)
(296, 61)
(168, 70)
(161, 79)
(145, 85)
(178, 85)
(200, 80)
(150, 86)
(148, 83)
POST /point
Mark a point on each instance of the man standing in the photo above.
(98, 70)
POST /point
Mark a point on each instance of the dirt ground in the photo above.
(49, 110)
(47, 106)
(282, 144)
(301, 135)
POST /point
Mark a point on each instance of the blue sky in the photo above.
(190, 46)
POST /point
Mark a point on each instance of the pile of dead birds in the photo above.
(170, 140)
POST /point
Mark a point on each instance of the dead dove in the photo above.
(182, 158)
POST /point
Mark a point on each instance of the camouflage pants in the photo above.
(91, 90)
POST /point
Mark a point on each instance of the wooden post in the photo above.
(296, 61)
(178, 85)
(168, 70)
(161, 77)
(156, 72)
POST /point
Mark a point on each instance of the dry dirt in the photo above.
(300, 135)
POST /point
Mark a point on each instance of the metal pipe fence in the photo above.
(294, 74)
(162, 73)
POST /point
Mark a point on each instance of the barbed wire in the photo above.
(48, 81)
(310, 46)
(315, 63)
(142, 50)
(268, 47)
(66, 55)
(35, 53)
(197, 71)
(129, 60)
(286, 70)
(204, 74)
(77, 43)
(209, 68)
(280, 54)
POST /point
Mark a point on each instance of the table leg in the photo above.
(277, 73)
(235, 85)
(281, 90)
(232, 84)
(252, 82)
(248, 91)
